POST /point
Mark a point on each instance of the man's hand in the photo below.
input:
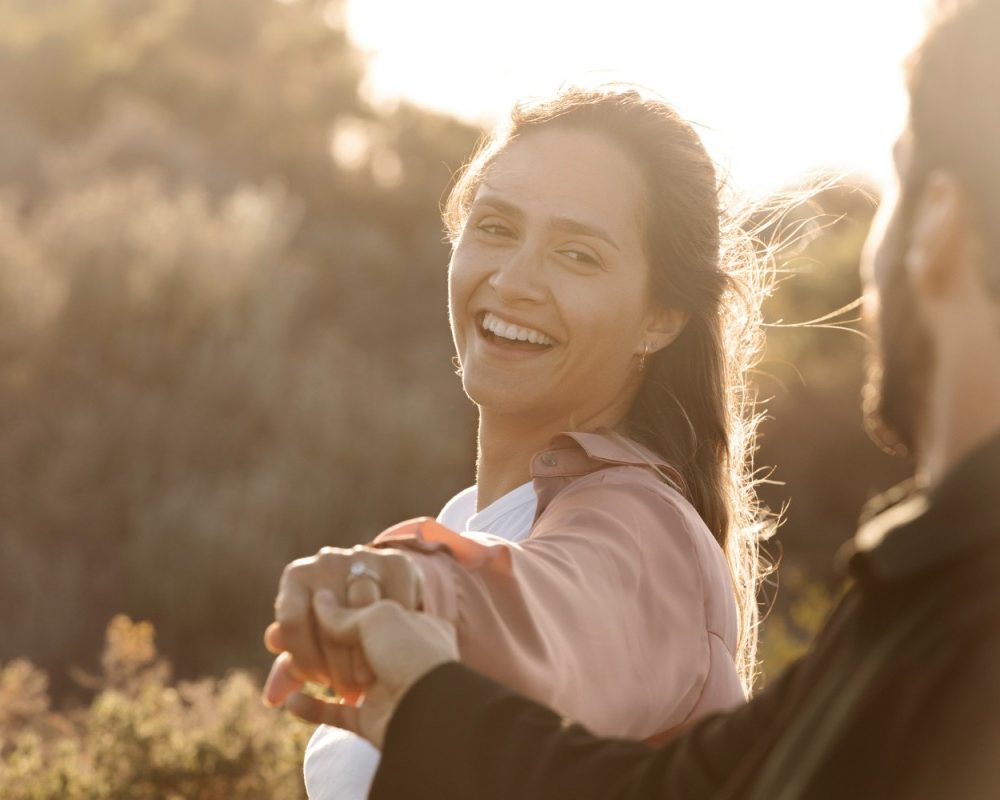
(400, 646)
(307, 655)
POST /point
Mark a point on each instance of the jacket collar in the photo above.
(919, 530)
(574, 454)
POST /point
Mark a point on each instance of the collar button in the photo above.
(549, 459)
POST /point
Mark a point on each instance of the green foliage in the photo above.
(144, 737)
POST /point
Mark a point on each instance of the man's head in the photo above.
(933, 258)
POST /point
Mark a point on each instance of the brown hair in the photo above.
(954, 114)
(693, 406)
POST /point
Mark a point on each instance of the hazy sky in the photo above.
(783, 86)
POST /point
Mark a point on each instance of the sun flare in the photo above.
(769, 81)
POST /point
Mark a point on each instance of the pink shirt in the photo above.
(617, 610)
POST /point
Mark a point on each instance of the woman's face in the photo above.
(548, 282)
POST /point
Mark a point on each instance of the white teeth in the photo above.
(506, 330)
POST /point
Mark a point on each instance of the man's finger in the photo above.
(325, 712)
(284, 679)
(361, 592)
(340, 659)
(360, 670)
(339, 623)
(330, 616)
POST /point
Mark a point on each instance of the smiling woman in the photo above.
(552, 245)
(605, 340)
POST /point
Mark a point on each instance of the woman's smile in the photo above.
(500, 338)
(500, 328)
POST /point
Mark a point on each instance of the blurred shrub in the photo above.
(790, 629)
(145, 737)
(220, 348)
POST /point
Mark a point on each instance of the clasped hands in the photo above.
(348, 619)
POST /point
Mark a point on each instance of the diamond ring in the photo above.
(361, 570)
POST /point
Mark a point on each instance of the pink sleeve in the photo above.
(601, 613)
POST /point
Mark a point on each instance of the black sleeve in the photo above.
(957, 754)
(457, 734)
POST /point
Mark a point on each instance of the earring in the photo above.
(642, 358)
(457, 365)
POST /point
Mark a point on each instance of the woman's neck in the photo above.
(507, 444)
(505, 453)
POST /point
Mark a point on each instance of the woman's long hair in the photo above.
(693, 406)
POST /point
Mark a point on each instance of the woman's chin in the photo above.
(497, 396)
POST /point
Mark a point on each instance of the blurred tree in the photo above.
(222, 330)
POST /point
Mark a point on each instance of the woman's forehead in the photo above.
(565, 173)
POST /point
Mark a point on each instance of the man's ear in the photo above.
(937, 235)
(663, 327)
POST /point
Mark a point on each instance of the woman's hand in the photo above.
(401, 646)
(354, 578)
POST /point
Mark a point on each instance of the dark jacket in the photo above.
(899, 697)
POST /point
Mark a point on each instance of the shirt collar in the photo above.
(574, 454)
(919, 530)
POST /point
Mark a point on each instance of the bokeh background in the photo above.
(223, 345)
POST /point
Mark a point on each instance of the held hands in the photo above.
(319, 639)
(356, 577)
(400, 646)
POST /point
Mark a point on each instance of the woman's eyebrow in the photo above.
(500, 205)
(560, 223)
(582, 228)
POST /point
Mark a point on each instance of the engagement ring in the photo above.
(362, 570)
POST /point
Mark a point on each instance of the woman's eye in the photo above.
(493, 229)
(581, 257)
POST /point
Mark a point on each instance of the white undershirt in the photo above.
(341, 766)
(508, 517)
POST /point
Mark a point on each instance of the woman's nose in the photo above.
(519, 276)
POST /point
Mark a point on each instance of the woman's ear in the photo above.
(663, 327)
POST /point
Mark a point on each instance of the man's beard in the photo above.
(899, 369)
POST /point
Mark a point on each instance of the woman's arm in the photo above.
(602, 613)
